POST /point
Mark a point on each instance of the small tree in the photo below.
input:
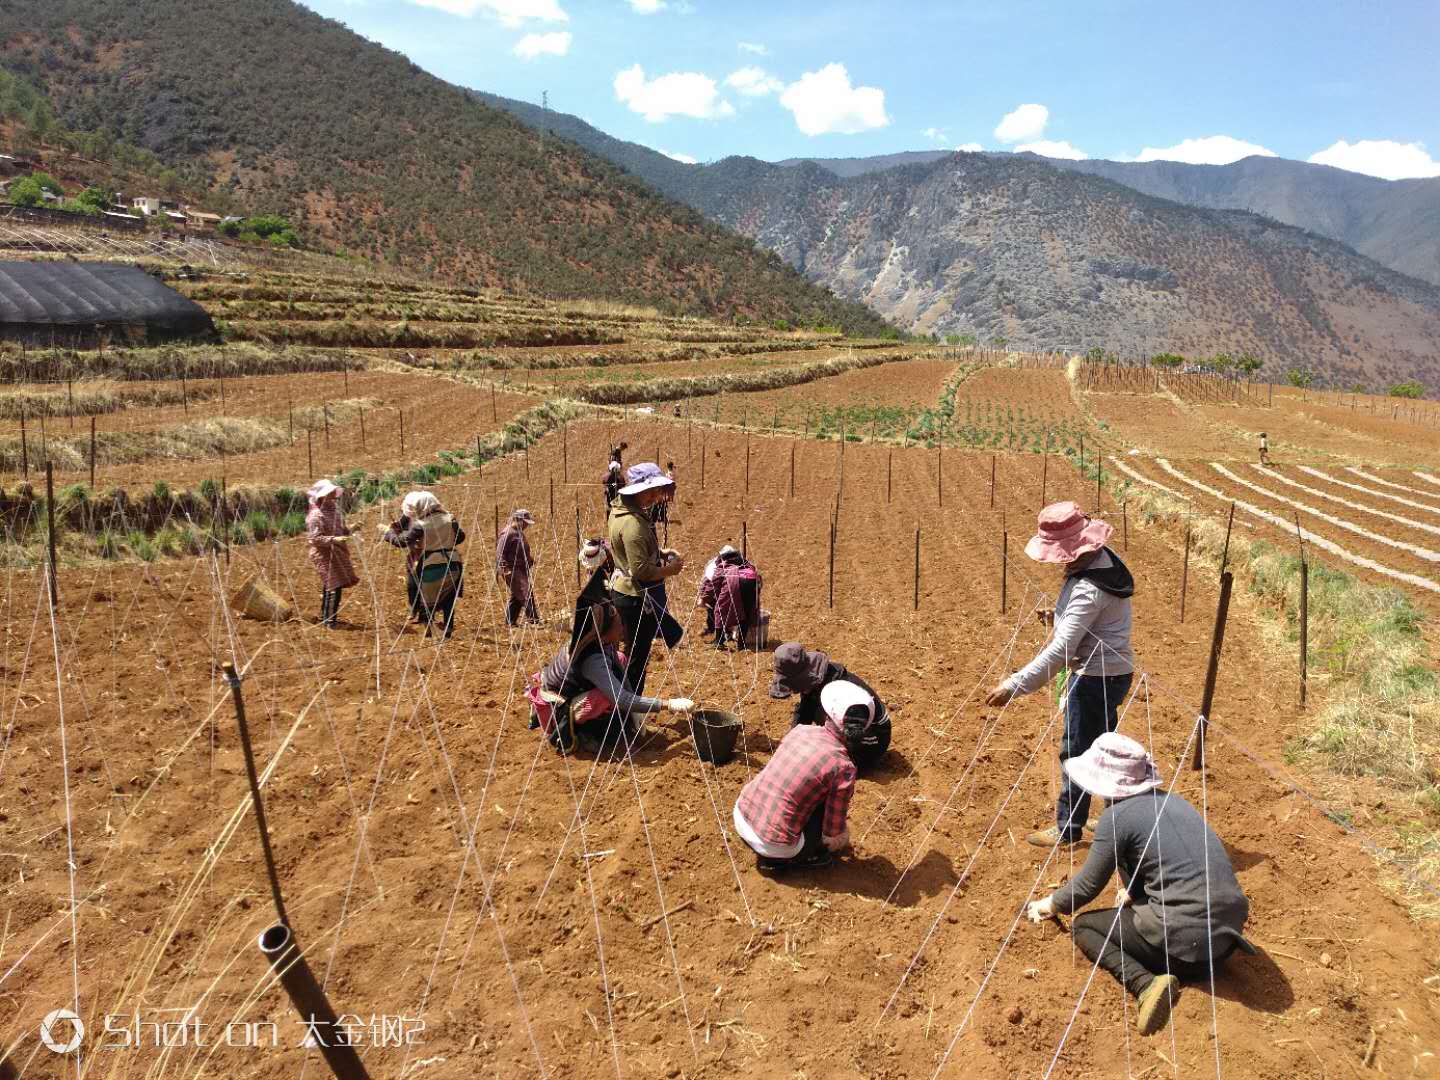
(1410, 388)
(1095, 355)
(1299, 377)
(1248, 364)
(30, 190)
(1166, 360)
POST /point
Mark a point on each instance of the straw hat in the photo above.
(643, 477)
(1115, 767)
(322, 489)
(1065, 533)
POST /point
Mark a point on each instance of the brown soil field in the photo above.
(682, 369)
(440, 414)
(915, 384)
(643, 942)
(1043, 392)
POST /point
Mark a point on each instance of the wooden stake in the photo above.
(494, 409)
(92, 453)
(889, 474)
(24, 447)
(497, 521)
(552, 498)
(362, 429)
(1217, 642)
(50, 519)
(992, 481)
(292, 423)
(310, 451)
(940, 474)
(564, 452)
(346, 370)
(577, 541)
(1185, 572)
(916, 606)
(834, 526)
(1004, 570)
(1125, 525)
(325, 411)
(747, 464)
(744, 540)
(702, 461)
(792, 470)
(1304, 628)
(1044, 471)
(70, 396)
(402, 429)
(1225, 552)
(184, 391)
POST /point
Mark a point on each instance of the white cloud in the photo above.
(754, 82)
(684, 159)
(1211, 150)
(509, 12)
(934, 134)
(532, 45)
(970, 148)
(1384, 158)
(646, 7)
(824, 103)
(753, 47)
(1026, 122)
(1052, 148)
(681, 93)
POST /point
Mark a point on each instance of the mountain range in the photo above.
(286, 111)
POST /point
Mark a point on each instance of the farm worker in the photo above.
(1179, 908)
(661, 513)
(595, 556)
(793, 812)
(580, 696)
(707, 600)
(513, 563)
(1090, 637)
(329, 539)
(434, 576)
(641, 569)
(614, 474)
(1264, 449)
(806, 672)
(732, 596)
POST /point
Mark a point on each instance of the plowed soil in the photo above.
(913, 384)
(645, 943)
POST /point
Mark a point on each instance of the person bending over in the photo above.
(1181, 909)
(731, 597)
(1091, 637)
(793, 813)
(805, 672)
(434, 577)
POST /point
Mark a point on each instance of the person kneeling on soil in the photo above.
(1090, 636)
(434, 575)
(1180, 909)
(581, 697)
(793, 812)
(706, 598)
(807, 672)
(731, 596)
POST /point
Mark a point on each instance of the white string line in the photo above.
(1160, 853)
(1209, 931)
(1154, 831)
(69, 818)
(20, 683)
(1005, 651)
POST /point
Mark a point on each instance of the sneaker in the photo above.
(1155, 1002)
(1047, 838)
(812, 861)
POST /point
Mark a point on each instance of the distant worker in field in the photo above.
(803, 674)
(434, 572)
(614, 474)
(706, 599)
(514, 562)
(731, 597)
(1264, 449)
(329, 539)
(1180, 910)
(642, 567)
(794, 812)
(1090, 635)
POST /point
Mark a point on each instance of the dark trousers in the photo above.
(1091, 709)
(1129, 957)
(522, 601)
(329, 606)
(812, 840)
(642, 623)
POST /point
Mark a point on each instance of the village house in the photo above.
(146, 205)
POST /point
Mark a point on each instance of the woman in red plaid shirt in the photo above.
(793, 813)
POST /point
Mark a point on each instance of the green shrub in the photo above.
(141, 546)
(209, 490)
(238, 533)
(291, 523)
(260, 524)
(74, 495)
(172, 541)
(107, 544)
(161, 493)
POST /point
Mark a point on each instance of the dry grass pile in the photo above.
(361, 334)
(95, 401)
(19, 365)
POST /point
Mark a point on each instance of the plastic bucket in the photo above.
(255, 601)
(715, 735)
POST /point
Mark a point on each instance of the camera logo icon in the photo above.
(57, 1037)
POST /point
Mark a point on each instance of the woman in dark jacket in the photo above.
(434, 572)
(805, 672)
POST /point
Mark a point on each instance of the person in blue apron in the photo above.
(434, 571)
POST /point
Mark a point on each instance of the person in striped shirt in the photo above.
(793, 813)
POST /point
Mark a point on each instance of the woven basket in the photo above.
(255, 601)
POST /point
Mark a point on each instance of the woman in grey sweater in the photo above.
(1090, 637)
(1181, 909)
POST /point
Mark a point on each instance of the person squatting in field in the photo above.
(730, 596)
(580, 697)
(1180, 910)
(794, 812)
(706, 599)
(1090, 636)
(434, 574)
(329, 540)
(804, 673)
(513, 563)
(642, 567)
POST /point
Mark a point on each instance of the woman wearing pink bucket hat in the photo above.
(1181, 909)
(1090, 638)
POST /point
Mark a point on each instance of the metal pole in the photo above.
(1225, 553)
(552, 498)
(494, 409)
(236, 695)
(325, 411)
(1217, 642)
(70, 399)
(940, 474)
(564, 452)
(747, 464)
(1044, 469)
(288, 965)
(50, 520)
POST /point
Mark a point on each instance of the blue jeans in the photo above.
(1091, 709)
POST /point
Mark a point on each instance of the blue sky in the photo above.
(1353, 84)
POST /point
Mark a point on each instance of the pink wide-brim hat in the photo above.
(1066, 532)
(1115, 767)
